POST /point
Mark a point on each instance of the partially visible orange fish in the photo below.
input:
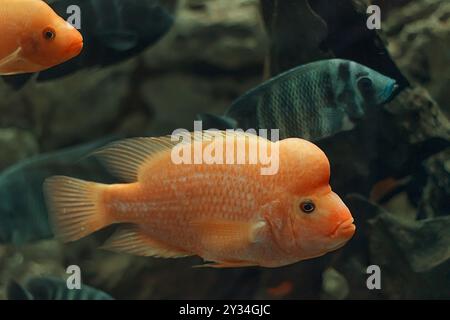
(229, 214)
(34, 37)
(283, 289)
(383, 188)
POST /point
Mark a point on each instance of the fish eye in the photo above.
(364, 83)
(49, 33)
(307, 206)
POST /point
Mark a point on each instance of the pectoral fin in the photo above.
(15, 63)
(219, 235)
(7, 62)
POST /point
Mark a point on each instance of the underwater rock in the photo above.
(400, 15)
(406, 250)
(417, 117)
(33, 260)
(193, 93)
(334, 285)
(424, 244)
(225, 35)
(436, 191)
(16, 145)
(114, 272)
(412, 252)
(92, 108)
(392, 142)
(88, 110)
(419, 40)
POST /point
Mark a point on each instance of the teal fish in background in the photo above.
(312, 101)
(23, 214)
(49, 288)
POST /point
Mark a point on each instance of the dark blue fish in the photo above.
(49, 288)
(23, 214)
(113, 31)
(312, 101)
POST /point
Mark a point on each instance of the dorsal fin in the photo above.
(124, 158)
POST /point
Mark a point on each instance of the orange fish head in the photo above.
(321, 223)
(49, 40)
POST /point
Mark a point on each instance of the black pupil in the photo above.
(365, 83)
(49, 34)
(308, 207)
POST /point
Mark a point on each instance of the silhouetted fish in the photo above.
(49, 288)
(23, 215)
(311, 101)
(113, 31)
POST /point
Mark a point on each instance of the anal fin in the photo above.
(133, 240)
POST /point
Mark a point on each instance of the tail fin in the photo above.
(75, 207)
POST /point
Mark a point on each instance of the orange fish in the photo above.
(229, 214)
(386, 187)
(34, 37)
(283, 289)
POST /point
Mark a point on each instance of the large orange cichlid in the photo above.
(34, 37)
(229, 214)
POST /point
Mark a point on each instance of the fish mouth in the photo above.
(388, 93)
(344, 229)
(75, 48)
